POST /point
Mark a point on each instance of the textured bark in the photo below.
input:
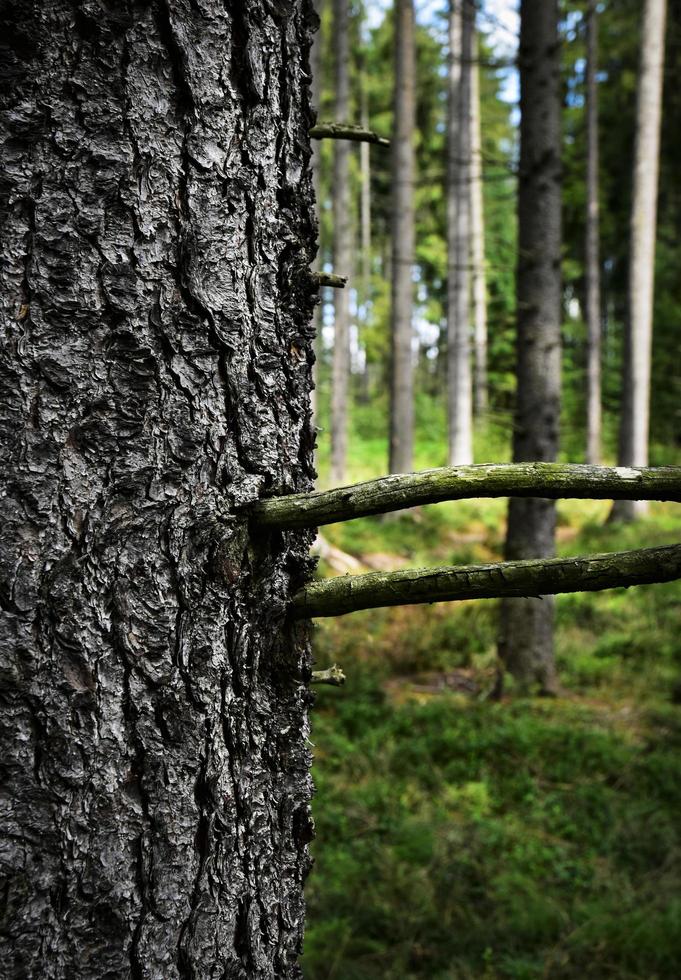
(478, 248)
(635, 418)
(398, 492)
(591, 573)
(592, 251)
(317, 69)
(402, 375)
(342, 247)
(526, 630)
(459, 382)
(157, 226)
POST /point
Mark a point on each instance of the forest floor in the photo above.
(461, 838)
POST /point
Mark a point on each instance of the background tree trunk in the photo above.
(592, 258)
(342, 248)
(478, 245)
(365, 235)
(459, 387)
(526, 629)
(317, 68)
(402, 381)
(157, 224)
(635, 418)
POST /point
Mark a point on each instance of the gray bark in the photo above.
(402, 381)
(317, 69)
(592, 251)
(526, 627)
(478, 248)
(459, 381)
(635, 418)
(342, 247)
(157, 226)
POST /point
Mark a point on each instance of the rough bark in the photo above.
(157, 226)
(459, 381)
(591, 573)
(317, 69)
(635, 417)
(526, 628)
(398, 492)
(342, 247)
(402, 381)
(479, 289)
(592, 266)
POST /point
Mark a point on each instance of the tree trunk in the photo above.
(478, 247)
(459, 385)
(156, 205)
(317, 67)
(342, 248)
(365, 236)
(635, 418)
(592, 260)
(526, 629)
(402, 381)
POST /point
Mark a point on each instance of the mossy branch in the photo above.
(554, 480)
(345, 131)
(332, 675)
(536, 577)
(330, 279)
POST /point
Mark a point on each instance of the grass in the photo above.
(459, 838)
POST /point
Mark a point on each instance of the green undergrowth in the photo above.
(532, 838)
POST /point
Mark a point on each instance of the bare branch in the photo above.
(330, 279)
(348, 593)
(400, 491)
(333, 676)
(345, 131)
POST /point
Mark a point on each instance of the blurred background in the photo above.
(461, 835)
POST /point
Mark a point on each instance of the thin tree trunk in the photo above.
(402, 380)
(592, 260)
(526, 628)
(157, 226)
(459, 385)
(342, 247)
(365, 234)
(635, 418)
(478, 247)
(317, 67)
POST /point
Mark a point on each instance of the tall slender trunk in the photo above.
(526, 628)
(342, 247)
(478, 246)
(365, 232)
(459, 384)
(592, 259)
(402, 380)
(157, 225)
(317, 67)
(635, 418)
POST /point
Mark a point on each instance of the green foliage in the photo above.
(461, 838)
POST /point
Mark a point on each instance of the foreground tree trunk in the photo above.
(459, 382)
(402, 381)
(317, 69)
(526, 628)
(592, 259)
(342, 248)
(156, 209)
(635, 418)
(478, 246)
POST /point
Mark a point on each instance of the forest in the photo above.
(340, 472)
(461, 834)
